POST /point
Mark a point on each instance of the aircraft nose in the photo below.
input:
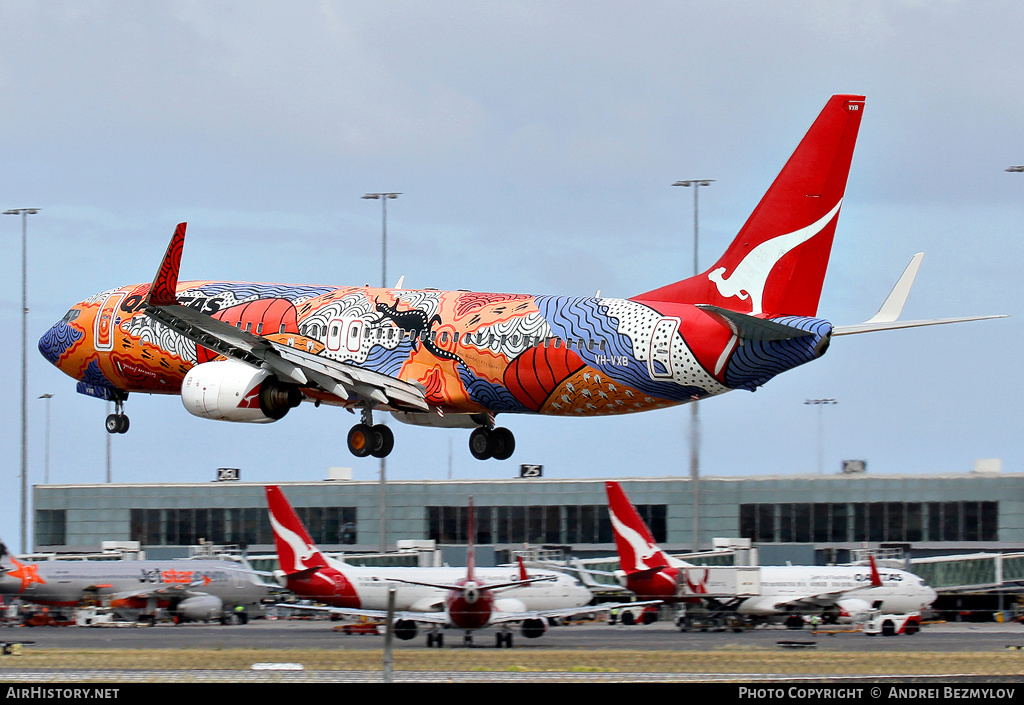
(60, 338)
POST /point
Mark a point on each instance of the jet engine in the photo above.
(405, 629)
(200, 608)
(533, 628)
(228, 390)
(850, 609)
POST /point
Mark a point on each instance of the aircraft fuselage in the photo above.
(471, 352)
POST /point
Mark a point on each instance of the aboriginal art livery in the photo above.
(249, 352)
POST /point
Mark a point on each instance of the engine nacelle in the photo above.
(405, 629)
(228, 390)
(533, 628)
(200, 608)
(852, 609)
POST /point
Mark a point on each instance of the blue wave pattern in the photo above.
(755, 362)
(492, 396)
(587, 318)
(95, 384)
(56, 341)
(388, 362)
(242, 291)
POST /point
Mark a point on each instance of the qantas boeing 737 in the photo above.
(251, 352)
(835, 592)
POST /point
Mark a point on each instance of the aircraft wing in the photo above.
(501, 617)
(303, 368)
(164, 591)
(428, 617)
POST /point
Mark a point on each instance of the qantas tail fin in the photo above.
(636, 547)
(296, 551)
(777, 262)
(164, 290)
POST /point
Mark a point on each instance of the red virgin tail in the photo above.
(296, 551)
(777, 262)
(636, 547)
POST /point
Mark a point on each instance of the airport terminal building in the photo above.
(803, 519)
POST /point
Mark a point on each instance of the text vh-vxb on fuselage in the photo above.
(250, 352)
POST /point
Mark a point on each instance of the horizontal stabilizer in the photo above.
(889, 313)
(752, 328)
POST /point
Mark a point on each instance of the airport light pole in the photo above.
(694, 412)
(821, 404)
(46, 440)
(24, 213)
(383, 197)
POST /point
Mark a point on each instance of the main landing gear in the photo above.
(366, 438)
(497, 443)
(117, 422)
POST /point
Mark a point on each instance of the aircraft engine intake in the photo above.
(533, 628)
(200, 608)
(228, 390)
(405, 629)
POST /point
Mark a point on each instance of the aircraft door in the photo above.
(345, 334)
(106, 321)
(659, 354)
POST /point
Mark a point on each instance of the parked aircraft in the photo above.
(835, 592)
(190, 590)
(463, 598)
(455, 359)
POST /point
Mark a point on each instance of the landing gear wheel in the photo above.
(480, 443)
(384, 441)
(503, 639)
(503, 444)
(117, 423)
(361, 440)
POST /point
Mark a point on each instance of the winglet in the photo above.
(164, 290)
(876, 579)
(892, 307)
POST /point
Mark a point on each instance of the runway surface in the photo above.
(659, 636)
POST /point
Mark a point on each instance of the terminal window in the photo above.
(870, 521)
(248, 525)
(551, 524)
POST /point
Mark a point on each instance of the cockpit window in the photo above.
(71, 315)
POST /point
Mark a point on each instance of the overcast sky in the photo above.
(534, 144)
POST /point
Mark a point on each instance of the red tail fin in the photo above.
(876, 579)
(296, 551)
(777, 262)
(633, 540)
(164, 290)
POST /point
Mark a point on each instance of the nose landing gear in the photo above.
(117, 422)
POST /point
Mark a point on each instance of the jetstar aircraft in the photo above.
(456, 359)
(835, 592)
(190, 590)
(467, 599)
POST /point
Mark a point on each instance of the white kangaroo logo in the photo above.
(750, 276)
